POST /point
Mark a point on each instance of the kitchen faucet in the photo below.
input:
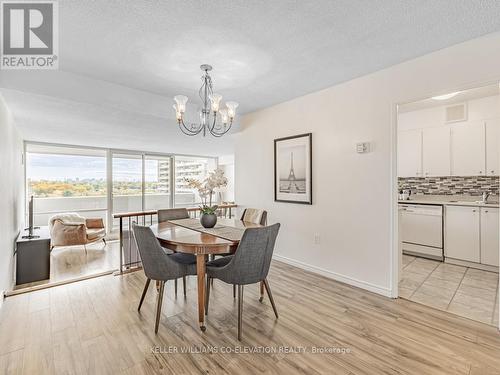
(485, 196)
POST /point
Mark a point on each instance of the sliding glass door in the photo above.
(190, 167)
(127, 183)
(65, 179)
(141, 182)
(99, 182)
(157, 188)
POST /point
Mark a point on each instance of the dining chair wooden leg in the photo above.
(268, 290)
(240, 310)
(261, 291)
(175, 287)
(207, 295)
(234, 290)
(158, 305)
(144, 294)
(184, 285)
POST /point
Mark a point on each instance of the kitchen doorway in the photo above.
(448, 167)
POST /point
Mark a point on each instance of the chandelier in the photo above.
(217, 121)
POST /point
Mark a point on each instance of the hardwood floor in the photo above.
(72, 262)
(93, 327)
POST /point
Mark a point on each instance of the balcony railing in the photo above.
(129, 254)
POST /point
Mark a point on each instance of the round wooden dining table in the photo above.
(186, 240)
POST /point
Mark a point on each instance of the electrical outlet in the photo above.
(317, 239)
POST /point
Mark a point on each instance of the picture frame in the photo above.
(293, 169)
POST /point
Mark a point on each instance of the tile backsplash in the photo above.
(452, 185)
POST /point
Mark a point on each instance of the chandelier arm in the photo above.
(187, 131)
(186, 128)
(218, 134)
(211, 129)
(213, 123)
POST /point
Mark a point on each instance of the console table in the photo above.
(33, 256)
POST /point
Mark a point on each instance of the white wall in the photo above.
(101, 114)
(354, 194)
(11, 195)
(477, 109)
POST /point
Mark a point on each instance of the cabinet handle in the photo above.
(480, 172)
(486, 211)
(492, 171)
(473, 210)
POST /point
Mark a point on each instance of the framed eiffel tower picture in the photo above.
(293, 169)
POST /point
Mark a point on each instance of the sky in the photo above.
(61, 167)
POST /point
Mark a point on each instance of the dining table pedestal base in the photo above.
(200, 271)
(174, 235)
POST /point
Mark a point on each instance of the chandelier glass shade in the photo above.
(214, 118)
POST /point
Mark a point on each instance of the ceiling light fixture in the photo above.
(216, 120)
(446, 96)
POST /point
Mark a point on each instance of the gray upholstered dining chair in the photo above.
(249, 265)
(175, 214)
(255, 216)
(172, 214)
(158, 265)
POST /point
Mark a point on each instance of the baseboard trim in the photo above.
(464, 263)
(386, 292)
(57, 283)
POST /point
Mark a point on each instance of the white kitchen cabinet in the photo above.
(410, 153)
(436, 151)
(489, 236)
(462, 239)
(492, 143)
(468, 149)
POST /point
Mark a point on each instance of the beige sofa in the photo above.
(72, 229)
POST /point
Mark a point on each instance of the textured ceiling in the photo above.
(122, 61)
(263, 52)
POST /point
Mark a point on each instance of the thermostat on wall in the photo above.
(362, 147)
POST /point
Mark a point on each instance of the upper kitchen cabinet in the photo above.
(436, 151)
(492, 154)
(410, 153)
(468, 149)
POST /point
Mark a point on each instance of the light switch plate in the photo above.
(362, 147)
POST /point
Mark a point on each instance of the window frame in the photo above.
(109, 152)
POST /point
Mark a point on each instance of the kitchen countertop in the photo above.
(451, 200)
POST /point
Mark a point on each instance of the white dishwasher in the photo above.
(422, 230)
